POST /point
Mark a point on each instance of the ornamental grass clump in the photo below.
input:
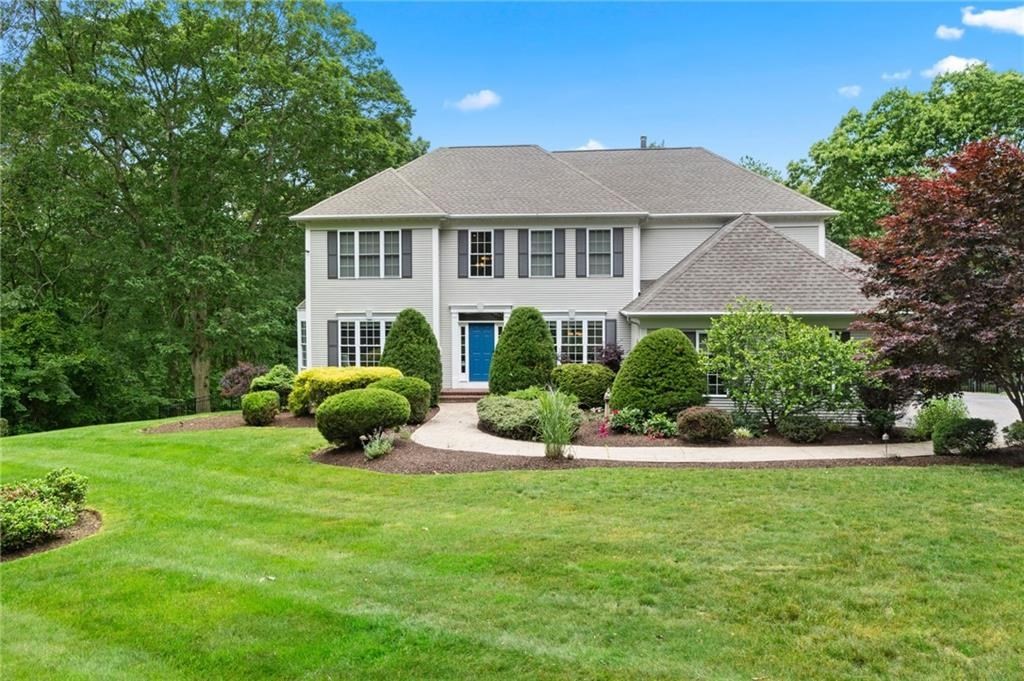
(556, 422)
(379, 444)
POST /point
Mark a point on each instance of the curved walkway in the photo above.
(454, 428)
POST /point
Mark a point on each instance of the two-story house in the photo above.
(607, 244)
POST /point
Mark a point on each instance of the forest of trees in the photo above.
(151, 154)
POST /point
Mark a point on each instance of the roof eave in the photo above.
(813, 213)
(364, 216)
(712, 313)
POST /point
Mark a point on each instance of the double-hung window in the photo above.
(361, 341)
(716, 387)
(481, 253)
(303, 357)
(577, 341)
(542, 253)
(369, 254)
(599, 253)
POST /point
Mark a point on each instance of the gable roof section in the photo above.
(688, 180)
(386, 193)
(748, 258)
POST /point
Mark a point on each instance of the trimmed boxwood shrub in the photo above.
(588, 382)
(412, 349)
(343, 418)
(525, 354)
(662, 374)
(416, 390)
(963, 436)
(260, 408)
(33, 511)
(802, 428)
(936, 410)
(704, 424)
(509, 417)
(313, 386)
(1014, 434)
(279, 379)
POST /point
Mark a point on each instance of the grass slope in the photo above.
(599, 573)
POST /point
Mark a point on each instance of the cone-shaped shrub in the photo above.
(525, 354)
(412, 349)
(661, 375)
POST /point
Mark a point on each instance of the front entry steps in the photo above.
(463, 394)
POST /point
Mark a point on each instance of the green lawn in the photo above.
(228, 554)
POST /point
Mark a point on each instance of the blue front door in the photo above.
(481, 347)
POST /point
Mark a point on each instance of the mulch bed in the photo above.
(409, 457)
(589, 434)
(234, 420)
(88, 524)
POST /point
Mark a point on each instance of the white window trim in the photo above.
(303, 332)
(586, 319)
(697, 333)
(469, 254)
(529, 254)
(357, 274)
(358, 344)
(611, 252)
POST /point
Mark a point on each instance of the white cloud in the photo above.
(950, 64)
(476, 101)
(1007, 20)
(944, 32)
(591, 145)
(897, 75)
(850, 91)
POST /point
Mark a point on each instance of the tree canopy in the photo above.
(948, 273)
(897, 135)
(152, 153)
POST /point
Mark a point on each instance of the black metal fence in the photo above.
(187, 407)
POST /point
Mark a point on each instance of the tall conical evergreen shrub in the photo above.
(661, 375)
(412, 349)
(525, 354)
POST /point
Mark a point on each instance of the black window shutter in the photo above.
(407, 254)
(463, 253)
(581, 253)
(332, 254)
(332, 342)
(610, 332)
(559, 252)
(498, 248)
(618, 235)
(524, 253)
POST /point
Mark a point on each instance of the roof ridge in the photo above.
(767, 179)
(595, 181)
(573, 151)
(416, 189)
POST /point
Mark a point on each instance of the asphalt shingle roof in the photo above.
(527, 180)
(748, 258)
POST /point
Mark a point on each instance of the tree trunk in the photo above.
(200, 360)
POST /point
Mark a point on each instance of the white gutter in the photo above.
(770, 213)
(711, 313)
(595, 214)
(364, 216)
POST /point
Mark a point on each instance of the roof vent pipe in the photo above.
(643, 141)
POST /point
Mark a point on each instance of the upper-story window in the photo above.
(370, 253)
(599, 253)
(481, 254)
(542, 253)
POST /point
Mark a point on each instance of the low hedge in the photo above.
(260, 408)
(509, 417)
(704, 424)
(313, 386)
(279, 379)
(416, 390)
(36, 510)
(802, 428)
(588, 382)
(963, 436)
(1014, 434)
(344, 418)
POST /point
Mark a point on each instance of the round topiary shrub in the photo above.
(416, 390)
(412, 349)
(802, 428)
(279, 379)
(661, 374)
(588, 382)
(704, 424)
(525, 354)
(260, 408)
(343, 418)
(963, 436)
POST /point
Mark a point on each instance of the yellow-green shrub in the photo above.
(313, 386)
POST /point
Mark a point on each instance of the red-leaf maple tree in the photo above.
(948, 273)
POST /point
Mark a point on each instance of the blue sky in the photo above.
(760, 79)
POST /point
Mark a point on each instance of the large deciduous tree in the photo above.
(153, 151)
(948, 273)
(897, 134)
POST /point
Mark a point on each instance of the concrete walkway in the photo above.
(454, 428)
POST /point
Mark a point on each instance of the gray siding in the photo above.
(806, 235)
(662, 247)
(328, 297)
